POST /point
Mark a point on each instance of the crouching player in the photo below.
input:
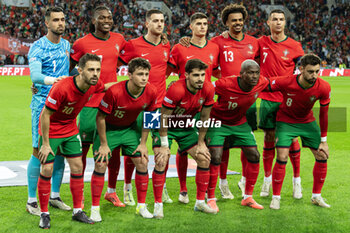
(116, 126)
(184, 99)
(295, 118)
(235, 96)
(58, 128)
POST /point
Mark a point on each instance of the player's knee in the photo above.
(46, 169)
(140, 164)
(160, 167)
(203, 163)
(269, 135)
(76, 166)
(101, 167)
(282, 157)
(252, 155)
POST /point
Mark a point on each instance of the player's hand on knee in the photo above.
(185, 41)
(142, 148)
(44, 152)
(323, 150)
(203, 150)
(162, 156)
(103, 153)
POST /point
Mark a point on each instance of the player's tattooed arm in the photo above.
(202, 148)
(45, 148)
(104, 151)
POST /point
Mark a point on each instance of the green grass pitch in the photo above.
(294, 215)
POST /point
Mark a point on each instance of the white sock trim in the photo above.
(316, 195)
(223, 182)
(110, 190)
(296, 179)
(268, 179)
(76, 210)
(54, 195)
(246, 196)
(276, 196)
(32, 199)
(127, 186)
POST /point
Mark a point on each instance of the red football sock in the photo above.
(76, 185)
(224, 164)
(268, 156)
(141, 183)
(279, 171)
(166, 168)
(44, 188)
(214, 173)
(181, 166)
(113, 168)
(202, 180)
(128, 169)
(85, 148)
(97, 183)
(244, 164)
(320, 173)
(158, 179)
(252, 172)
(294, 155)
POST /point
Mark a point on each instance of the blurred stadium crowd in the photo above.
(326, 34)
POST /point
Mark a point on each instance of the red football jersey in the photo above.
(297, 103)
(156, 54)
(277, 59)
(108, 50)
(233, 103)
(122, 108)
(185, 103)
(233, 52)
(209, 54)
(67, 100)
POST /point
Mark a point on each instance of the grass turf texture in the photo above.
(294, 216)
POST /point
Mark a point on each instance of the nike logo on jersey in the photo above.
(188, 57)
(232, 98)
(227, 46)
(119, 107)
(264, 48)
(144, 54)
(291, 94)
(94, 51)
(183, 102)
(70, 103)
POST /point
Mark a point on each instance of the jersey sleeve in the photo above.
(172, 97)
(210, 92)
(35, 64)
(127, 53)
(77, 51)
(153, 98)
(276, 83)
(107, 102)
(299, 53)
(325, 97)
(173, 59)
(55, 97)
(100, 87)
(219, 86)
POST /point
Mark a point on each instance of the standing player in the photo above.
(278, 56)
(151, 47)
(206, 51)
(234, 49)
(58, 128)
(107, 45)
(117, 126)
(48, 63)
(235, 96)
(184, 99)
(295, 118)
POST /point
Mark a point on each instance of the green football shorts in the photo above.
(251, 117)
(237, 136)
(309, 133)
(185, 138)
(267, 114)
(128, 138)
(70, 147)
(87, 124)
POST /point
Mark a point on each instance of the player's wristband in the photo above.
(49, 80)
(324, 139)
(164, 141)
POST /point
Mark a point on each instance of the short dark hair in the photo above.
(151, 12)
(94, 13)
(233, 8)
(310, 59)
(88, 57)
(138, 63)
(279, 11)
(195, 64)
(52, 9)
(198, 15)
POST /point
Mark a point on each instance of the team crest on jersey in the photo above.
(14, 45)
(250, 47)
(144, 106)
(285, 53)
(165, 56)
(117, 47)
(211, 58)
(312, 98)
(201, 101)
(256, 95)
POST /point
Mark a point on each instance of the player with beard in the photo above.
(278, 57)
(183, 100)
(156, 50)
(295, 119)
(48, 63)
(107, 45)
